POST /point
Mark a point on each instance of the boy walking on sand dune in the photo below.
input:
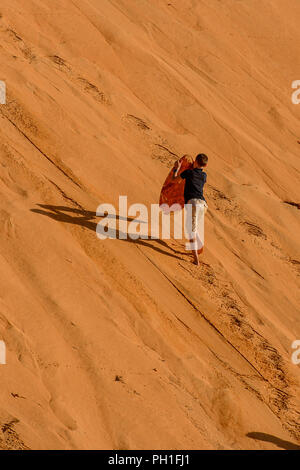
(195, 180)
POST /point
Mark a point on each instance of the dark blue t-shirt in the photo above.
(195, 180)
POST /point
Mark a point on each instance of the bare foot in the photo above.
(196, 261)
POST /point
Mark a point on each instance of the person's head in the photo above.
(201, 160)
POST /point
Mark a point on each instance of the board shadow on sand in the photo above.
(89, 220)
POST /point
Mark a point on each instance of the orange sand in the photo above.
(126, 345)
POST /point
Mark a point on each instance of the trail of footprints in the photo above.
(254, 233)
(231, 315)
(231, 318)
(20, 47)
(84, 83)
(22, 50)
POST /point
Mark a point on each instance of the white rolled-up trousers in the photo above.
(195, 211)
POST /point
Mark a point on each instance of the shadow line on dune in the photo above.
(261, 436)
(86, 219)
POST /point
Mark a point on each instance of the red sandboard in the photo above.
(172, 190)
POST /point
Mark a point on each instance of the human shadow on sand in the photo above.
(261, 436)
(88, 219)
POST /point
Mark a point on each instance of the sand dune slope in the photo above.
(121, 344)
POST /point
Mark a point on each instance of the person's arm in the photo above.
(176, 170)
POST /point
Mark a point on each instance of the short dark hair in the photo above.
(202, 159)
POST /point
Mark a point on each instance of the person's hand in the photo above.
(176, 169)
(177, 165)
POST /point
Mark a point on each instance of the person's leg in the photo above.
(193, 240)
(194, 221)
(202, 208)
(200, 245)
